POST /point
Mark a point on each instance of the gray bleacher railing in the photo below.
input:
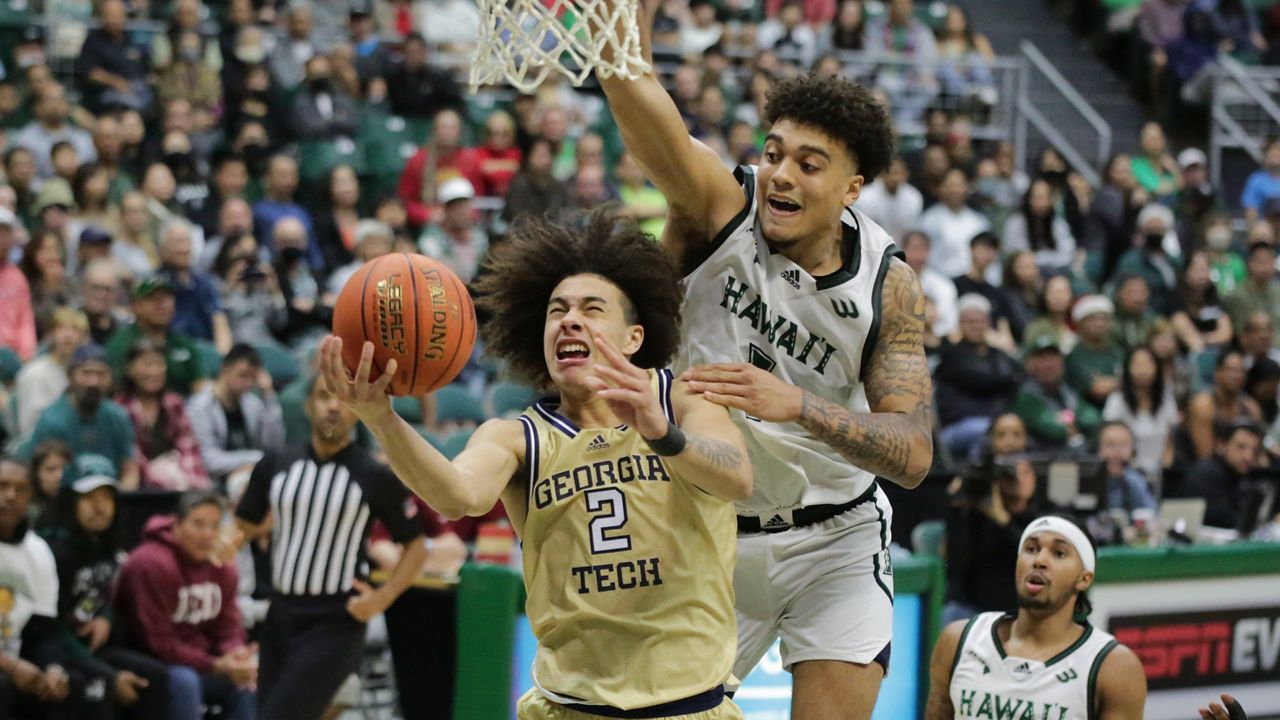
(1085, 145)
(1243, 112)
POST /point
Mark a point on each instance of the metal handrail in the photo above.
(1237, 72)
(1055, 137)
(1091, 116)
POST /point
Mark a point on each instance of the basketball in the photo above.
(413, 309)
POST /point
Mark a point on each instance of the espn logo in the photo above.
(1204, 649)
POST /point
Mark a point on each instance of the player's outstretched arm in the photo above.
(470, 485)
(941, 666)
(701, 192)
(1122, 686)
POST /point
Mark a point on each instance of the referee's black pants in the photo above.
(307, 649)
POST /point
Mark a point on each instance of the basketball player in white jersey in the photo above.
(1041, 662)
(801, 317)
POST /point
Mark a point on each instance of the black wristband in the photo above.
(670, 444)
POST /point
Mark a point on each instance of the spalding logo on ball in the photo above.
(413, 309)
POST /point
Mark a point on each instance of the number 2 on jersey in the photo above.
(614, 518)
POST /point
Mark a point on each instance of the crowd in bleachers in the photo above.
(186, 187)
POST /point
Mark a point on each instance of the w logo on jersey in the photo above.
(792, 277)
(845, 309)
(1067, 676)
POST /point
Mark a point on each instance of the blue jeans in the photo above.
(962, 438)
(190, 691)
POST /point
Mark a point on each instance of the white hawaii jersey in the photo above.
(986, 683)
(746, 304)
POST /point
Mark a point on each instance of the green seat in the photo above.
(508, 399)
(409, 408)
(456, 443)
(927, 537)
(317, 157)
(281, 365)
(388, 141)
(455, 404)
(210, 358)
(10, 364)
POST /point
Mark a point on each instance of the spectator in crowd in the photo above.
(185, 17)
(901, 34)
(307, 312)
(975, 381)
(234, 425)
(1198, 316)
(1133, 319)
(178, 607)
(1153, 167)
(452, 24)
(198, 312)
(967, 55)
(951, 224)
(153, 310)
(100, 289)
(228, 181)
(90, 187)
(984, 251)
(1151, 259)
(1111, 220)
(336, 224)
(48, 461)
(50, 126)
(32, 680)
(1264, 183)
(1127, 489)
(418, 89)
(1159, 27)
(1023, 286)
(373, 57)
(917, 249)
(1259, 290)
(1257, 339)
(848, 32)
(534, 190)
(700, 29)
(786, 33)
(497, 159)
(441, 158)
(589, 188)
(641, 201)
(985, 519)
(289, 58)
(235, 219)
(1040, 228)
(1226, 266)
(1262, 383)
(892, 202)
(1095, 364)
(1199, 200)
(1145, 405)
(64, 159)
(44, 262)
(134, 246)
(1222, 477)
(82, 539)
(108, 144)
(1222, 405)
(111, 68)
(1054, 322)
(373, 240)
(192, 78)
(1055, 415)
(167, 452)
(278, 203)
(87, 420)
(322, 111)
(20, 171)
(43, 380)
(255, 306)
(310, 643)
(17, 316)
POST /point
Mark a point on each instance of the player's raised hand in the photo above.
(368, 400)
(759, 393)
(626, 388)
(1229, 710)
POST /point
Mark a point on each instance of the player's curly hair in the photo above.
(844, 110)
(521, 273)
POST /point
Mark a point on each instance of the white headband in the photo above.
(1068, 531)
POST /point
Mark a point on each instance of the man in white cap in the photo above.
(1095, 364)
(17, 319)
(372, 240)
(975, 381)
(1047, 660)
(454, 238)
(1152, 258)
(1200, 199)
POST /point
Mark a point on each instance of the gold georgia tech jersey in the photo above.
(628, 566)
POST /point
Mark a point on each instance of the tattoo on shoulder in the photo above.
(718, 453)
(898, 365)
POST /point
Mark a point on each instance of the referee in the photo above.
(318, 501)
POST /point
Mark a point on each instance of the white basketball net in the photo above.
(522, 42)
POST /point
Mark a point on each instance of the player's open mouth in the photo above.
(783, 207)
(572, 352)
(1035, 583)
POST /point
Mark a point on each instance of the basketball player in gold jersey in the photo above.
(621, 484)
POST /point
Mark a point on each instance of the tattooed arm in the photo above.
(894, 441)
(715, 456)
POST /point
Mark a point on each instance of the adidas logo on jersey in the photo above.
(792, 277)
(776, 521)
(599, 443)
(1022, 669)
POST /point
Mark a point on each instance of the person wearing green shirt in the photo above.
(1153, 167)
(1133, 319)
(1054, 414)
(1093, 368)
(641, 201)
(1259, 292)
(153, 308)
(1225, 266)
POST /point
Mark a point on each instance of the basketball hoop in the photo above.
(523, 42)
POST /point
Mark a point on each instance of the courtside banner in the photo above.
(1206, 648)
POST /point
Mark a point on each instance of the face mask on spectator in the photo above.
(88, 399)
(250, 54)
(1218, 238)
(190, 54)
(178, 161)
(29, 58)
(1152, 240)
(290, 254)
(321, 85)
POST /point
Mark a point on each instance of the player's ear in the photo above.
(634, 338)
(1085, 581)
(854, 189)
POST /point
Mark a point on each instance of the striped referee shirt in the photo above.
(322, 513)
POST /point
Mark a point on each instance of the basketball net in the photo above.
(522, 42)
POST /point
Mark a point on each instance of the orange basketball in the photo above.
(413, 309)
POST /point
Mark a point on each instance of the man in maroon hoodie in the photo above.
(175, 604)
